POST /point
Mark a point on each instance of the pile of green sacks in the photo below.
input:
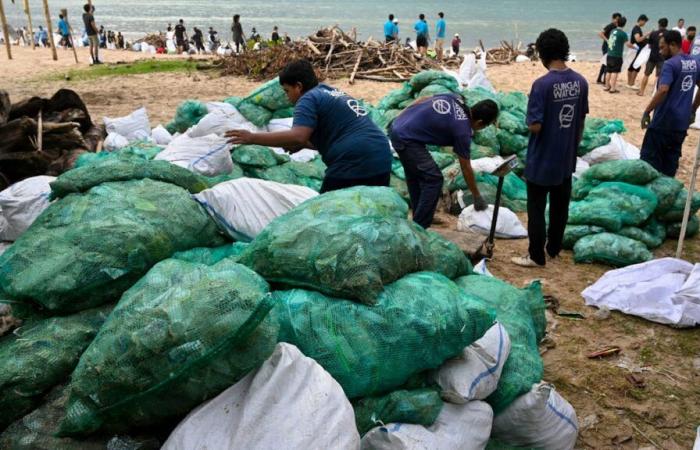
(262, 162)
(621, 210)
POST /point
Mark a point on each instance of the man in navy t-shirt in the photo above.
(442, 120)
(556, 113)
(673, 106)
(355, 151)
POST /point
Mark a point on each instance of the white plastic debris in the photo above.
(114, 141)
(487, 164)
(616, 149)
(304, 155)
(221, 120)
(581, 166)
(133, 127)
(207, 155)
(463, 427)
(474, 374)
(21, 204)
(665, 290)
(161, 136)
(508, 226)
(291, 402)
(541, 419)
(481, 269)
(243, 207)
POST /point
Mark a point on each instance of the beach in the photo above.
(612, 412)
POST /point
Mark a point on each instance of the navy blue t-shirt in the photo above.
(440, 120)
(681, 74)
(351, 145)
(558, 101)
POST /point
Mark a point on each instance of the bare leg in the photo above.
(643, 87)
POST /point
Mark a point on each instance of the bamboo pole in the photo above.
(5, 30)
(29, 19)
(64, 12)
(688, 201)
(49, 29)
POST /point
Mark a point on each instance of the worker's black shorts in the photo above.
(389, 39)
(662, 149)
(654, 65)
(614, 64)
(421, 41)
(180, 42)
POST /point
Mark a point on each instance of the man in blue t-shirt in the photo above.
(673, 106)
(556, 113)
(389, 29)
(442, 120)
(64, 31)
(440, 30)
(421, 28)
(355, 151)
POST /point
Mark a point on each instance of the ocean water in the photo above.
(491, 21)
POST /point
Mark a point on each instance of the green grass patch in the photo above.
(131, 68)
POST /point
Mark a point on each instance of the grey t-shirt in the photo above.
(87, 20)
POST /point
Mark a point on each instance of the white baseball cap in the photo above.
(456, 34)
(396, 20)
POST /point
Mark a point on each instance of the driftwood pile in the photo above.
(335, 54)
(44, 136)
(505, 54)
(155, 39)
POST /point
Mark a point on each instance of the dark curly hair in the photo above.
(299, 71)
(553, 45)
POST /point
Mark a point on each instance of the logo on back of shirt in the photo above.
(687, 83)
(356, 107)
(336, 93)
(566, 116)
(442, 106)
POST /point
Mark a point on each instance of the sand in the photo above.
(613, 413)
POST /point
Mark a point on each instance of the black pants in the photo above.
(601, 73)
(423, 179)
(662, 149)
(559, 197)
(333, 184)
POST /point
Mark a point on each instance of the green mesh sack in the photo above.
(284, 113)
(673, 230)
(270, 96)
(488, 137)
(666, 190)
(235, 174)
(397, 168)
(39, 356)
(257, 156)
(512, 122)
(613, 126)
(35, 431)
(233, 101)
(418, 322)
(433, 89)
(652, 234)
(591, 141)
(475, 95)
(450, 83)
(87, 249)
(293, 172)
(510, 143)
(188, 114)
(420, 80)
(513, 186)
(394, 98)
(613, 205)
(513, 101)
(448, 258)
(632, 171)
(343, 256)
(211, 255)
(124, 169)
(399, 185)
(480, 151)
(675, 214)
(355, 201)
(443, 159)
(521, 311)
(255, 114)
(611, 249)
(143, 150)
(572, 233)
(181, 335)
(419, 406)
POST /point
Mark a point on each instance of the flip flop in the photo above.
(613, 92)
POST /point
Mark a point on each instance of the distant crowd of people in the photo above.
(422, 30)
(647, 46)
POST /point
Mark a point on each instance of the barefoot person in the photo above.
(616, 45)
(355, 150)
(638, 38)
(673, 107)
(656, 61)
(556, 113)
(439, 120)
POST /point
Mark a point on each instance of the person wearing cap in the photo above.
(456, 41)
(396, 30)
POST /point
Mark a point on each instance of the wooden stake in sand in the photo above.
(64, 13)
(29, 19)
(5, 31)
(686, 212)
(49, 28)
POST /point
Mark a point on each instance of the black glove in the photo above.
(479, 203)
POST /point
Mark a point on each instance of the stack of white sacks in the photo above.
(291, 402)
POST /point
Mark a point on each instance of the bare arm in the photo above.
(535, 128)
(639, 38)
(602, 36)
(468, 174)
(296, 138)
